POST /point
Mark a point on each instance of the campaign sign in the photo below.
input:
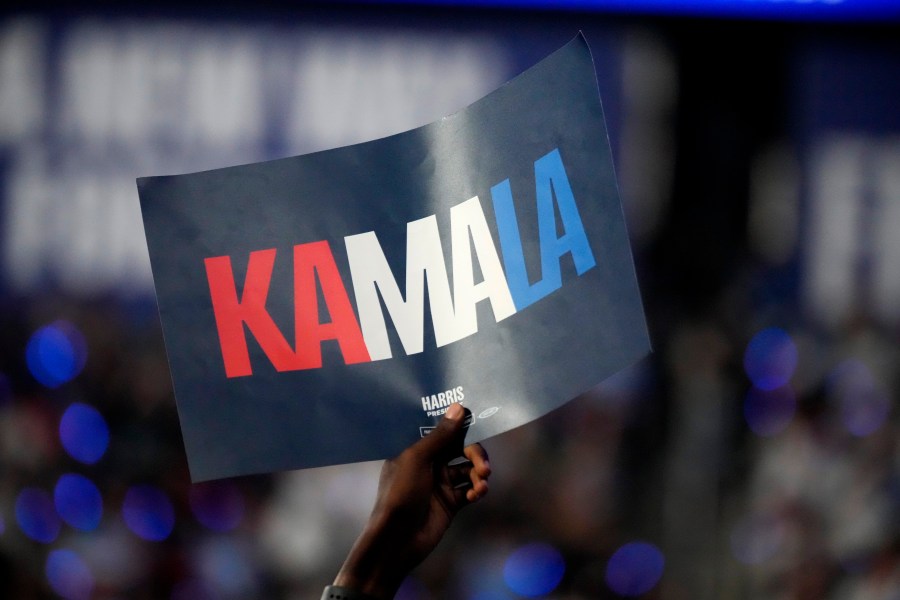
(327, 308)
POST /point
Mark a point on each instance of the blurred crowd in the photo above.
(735, 462)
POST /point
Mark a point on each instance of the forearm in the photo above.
(373, 567)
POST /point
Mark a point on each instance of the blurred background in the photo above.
(755, 454)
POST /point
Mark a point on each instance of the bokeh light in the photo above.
(218, 505)
(83, 433)
(78, 501)
(634, 569)
(68, 575)
(770, 358)
(534, 570)
(148, 512)
(412, 589)
(756, 538)
(36, 515)
(768, 412)
(864, 404)
(56, 353)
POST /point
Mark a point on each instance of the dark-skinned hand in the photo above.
(418, 496)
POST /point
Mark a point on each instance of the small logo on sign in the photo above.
(489, 412)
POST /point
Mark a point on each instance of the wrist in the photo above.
(372, 567)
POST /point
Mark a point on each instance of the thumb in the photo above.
(445, 436)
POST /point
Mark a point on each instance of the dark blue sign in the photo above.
(327, 308)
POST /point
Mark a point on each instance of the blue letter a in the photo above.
(550, 182)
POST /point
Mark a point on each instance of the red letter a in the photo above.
(231, 314)
(316, 259)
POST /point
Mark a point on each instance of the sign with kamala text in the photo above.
(327, 308)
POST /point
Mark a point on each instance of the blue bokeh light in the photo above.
(218, 505)
(83, 433)
(68, 575)
(770, 358)
(56, 353)
(534, 570)
(148, 513)
(36, 515)
(864, 403)
(768, 412)
(412, 589)
(78, 501)
(634, 569)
